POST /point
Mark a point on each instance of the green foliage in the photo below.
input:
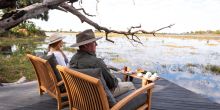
(217, 32)
(205, 32)
(213, 68)
(24, 3)
(69, 49)
(44, 16)
(27, 28)
(16, 65)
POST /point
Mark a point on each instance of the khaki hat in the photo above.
(85, 37)
(54, 38)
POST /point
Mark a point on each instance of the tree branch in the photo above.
(85, 12)
(107, 31)
(165, 27)
(13, 18)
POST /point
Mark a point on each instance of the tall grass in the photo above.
(16, 65)
(213, 68)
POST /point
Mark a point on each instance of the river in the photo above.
(182, 61)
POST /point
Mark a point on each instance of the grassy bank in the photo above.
(15, 65)
(213, 68)
(179, 36)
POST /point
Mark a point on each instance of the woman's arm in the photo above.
(60, 59)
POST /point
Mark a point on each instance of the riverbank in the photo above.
(179, 36)
(14, 63)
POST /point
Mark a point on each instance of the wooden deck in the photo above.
(166, 96)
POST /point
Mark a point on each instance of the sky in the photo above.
(187, 15)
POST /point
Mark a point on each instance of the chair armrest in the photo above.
(113, 68)
(60, 83)
(125, 100)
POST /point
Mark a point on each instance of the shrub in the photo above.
(213, 68)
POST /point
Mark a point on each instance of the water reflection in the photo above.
(181, 61)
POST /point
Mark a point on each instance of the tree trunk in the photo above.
(13, 18)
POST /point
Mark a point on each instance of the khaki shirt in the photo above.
(83, 60)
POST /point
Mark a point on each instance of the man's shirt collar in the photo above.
(84, 52)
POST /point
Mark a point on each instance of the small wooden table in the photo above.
(134, 75)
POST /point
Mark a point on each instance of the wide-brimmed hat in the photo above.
(85, 37)
(54, 38)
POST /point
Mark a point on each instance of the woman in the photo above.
(54, 47)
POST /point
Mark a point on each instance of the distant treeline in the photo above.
(204, 32)
(60, 30)
(192, 32)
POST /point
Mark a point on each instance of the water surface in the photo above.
(181, 61)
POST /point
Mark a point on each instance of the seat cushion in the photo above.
(53, 63)
(134, 103)
(97, 73)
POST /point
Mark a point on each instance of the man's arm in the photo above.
(110, 79)
(113, 68)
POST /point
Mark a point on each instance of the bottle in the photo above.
(125, 68)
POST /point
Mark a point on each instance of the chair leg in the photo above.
(59, 104)
(41, 91)
(149, 93)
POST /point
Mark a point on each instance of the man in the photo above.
(86, 58)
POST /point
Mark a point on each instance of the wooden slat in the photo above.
(60, 83)
(102, 93)
(81, 94)
(139, 91)
(86, 92)
(65, 103)
(63, 94)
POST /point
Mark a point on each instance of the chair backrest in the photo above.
(46, 78)
(84, 92)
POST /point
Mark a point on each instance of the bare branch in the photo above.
(106, 37)
(137, 37)
(83, 18)
(129, 40)
(133, 34)
(61, 9)
(133, 27)
(12, 19)
(153, 32)
(164, 28)
(85, 12)
(138, 41)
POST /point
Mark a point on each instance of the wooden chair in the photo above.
(47, 81)
(87, 93)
